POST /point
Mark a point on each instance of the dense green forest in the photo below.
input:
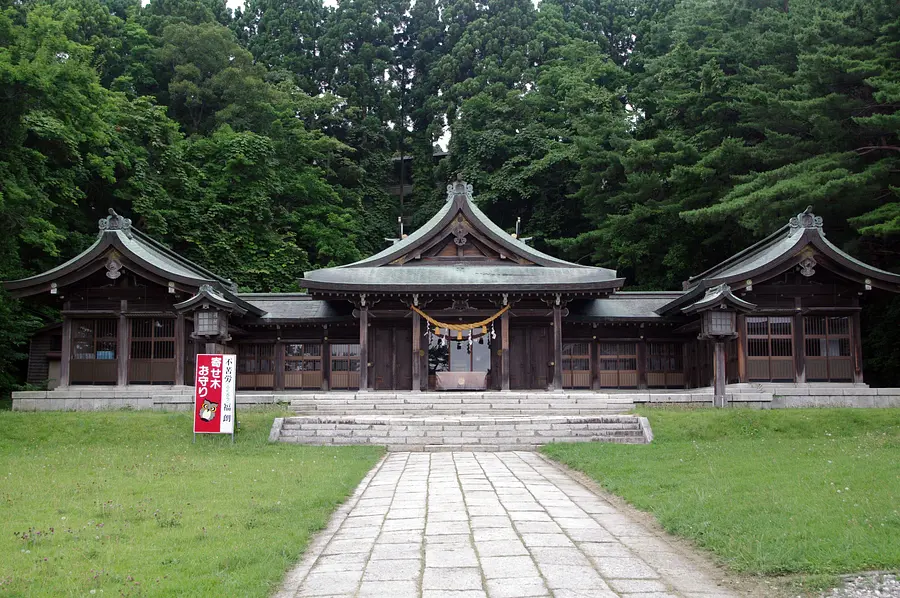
(650, 136)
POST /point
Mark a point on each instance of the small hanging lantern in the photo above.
(718, 323)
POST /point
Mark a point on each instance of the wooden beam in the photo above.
(642, 364)
(395, 379)
(742, 347)
(364, 348)
(65, 359)
(416, 347)
(856, 347)
(326, 359)
(557, 348)
(179, 350)
(504, 347)
(799, 345)
(279, 365)
(719, 374)
(122, 370)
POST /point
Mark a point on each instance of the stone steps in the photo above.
(481, 432)
(492, 404)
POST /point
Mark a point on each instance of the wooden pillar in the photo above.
(278, 381)
(595, 364)
(416, 348)
(642, 364)
(65, 359)
(557, 348)
(326, 359)
(856, 347)
(122, 377)
(719, 374)
(799, 344)
(179, 350)
(742, 347)
(504, 347)
(364, 348)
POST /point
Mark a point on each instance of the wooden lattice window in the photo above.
(827, 345)
(152, 351)
(576, 365)
(256, 366)
(345, 365)
(618, 365)
(94, 351)
(665, 365)
(770, 348)
(303, 365)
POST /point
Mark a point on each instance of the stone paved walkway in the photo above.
(498, 525)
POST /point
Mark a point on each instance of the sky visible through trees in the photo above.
(650, 136)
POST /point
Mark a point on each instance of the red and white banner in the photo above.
(214, 384)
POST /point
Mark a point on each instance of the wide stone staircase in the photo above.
(484, 421)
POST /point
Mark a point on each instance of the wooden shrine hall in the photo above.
(460, 304)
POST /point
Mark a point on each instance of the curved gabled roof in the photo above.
(518, 267)
(803, 238)
(719, 296)
(117, 234)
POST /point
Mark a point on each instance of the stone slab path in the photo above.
(497, 525)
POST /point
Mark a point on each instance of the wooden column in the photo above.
(122, 377)
(326, 359)
(279, 365)
(799, 345)
(179, 350)
(504, 347)
(642, 364)
(595, 365)
(557, 348)
(416, 347)
(742, 347)
(719, 374)
(423, 365)
(65, 359)
(856, 347)
(364, 348)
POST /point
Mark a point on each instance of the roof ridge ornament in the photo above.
(115, 222)
(459, 187)
(806, 219)
(723, 289)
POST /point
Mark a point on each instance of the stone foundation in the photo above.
(570, 402)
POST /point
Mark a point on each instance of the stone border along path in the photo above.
(498, 525)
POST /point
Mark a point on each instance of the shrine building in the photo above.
(460, 304)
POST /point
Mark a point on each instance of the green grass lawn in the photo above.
(772, 492)
(121, 503)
